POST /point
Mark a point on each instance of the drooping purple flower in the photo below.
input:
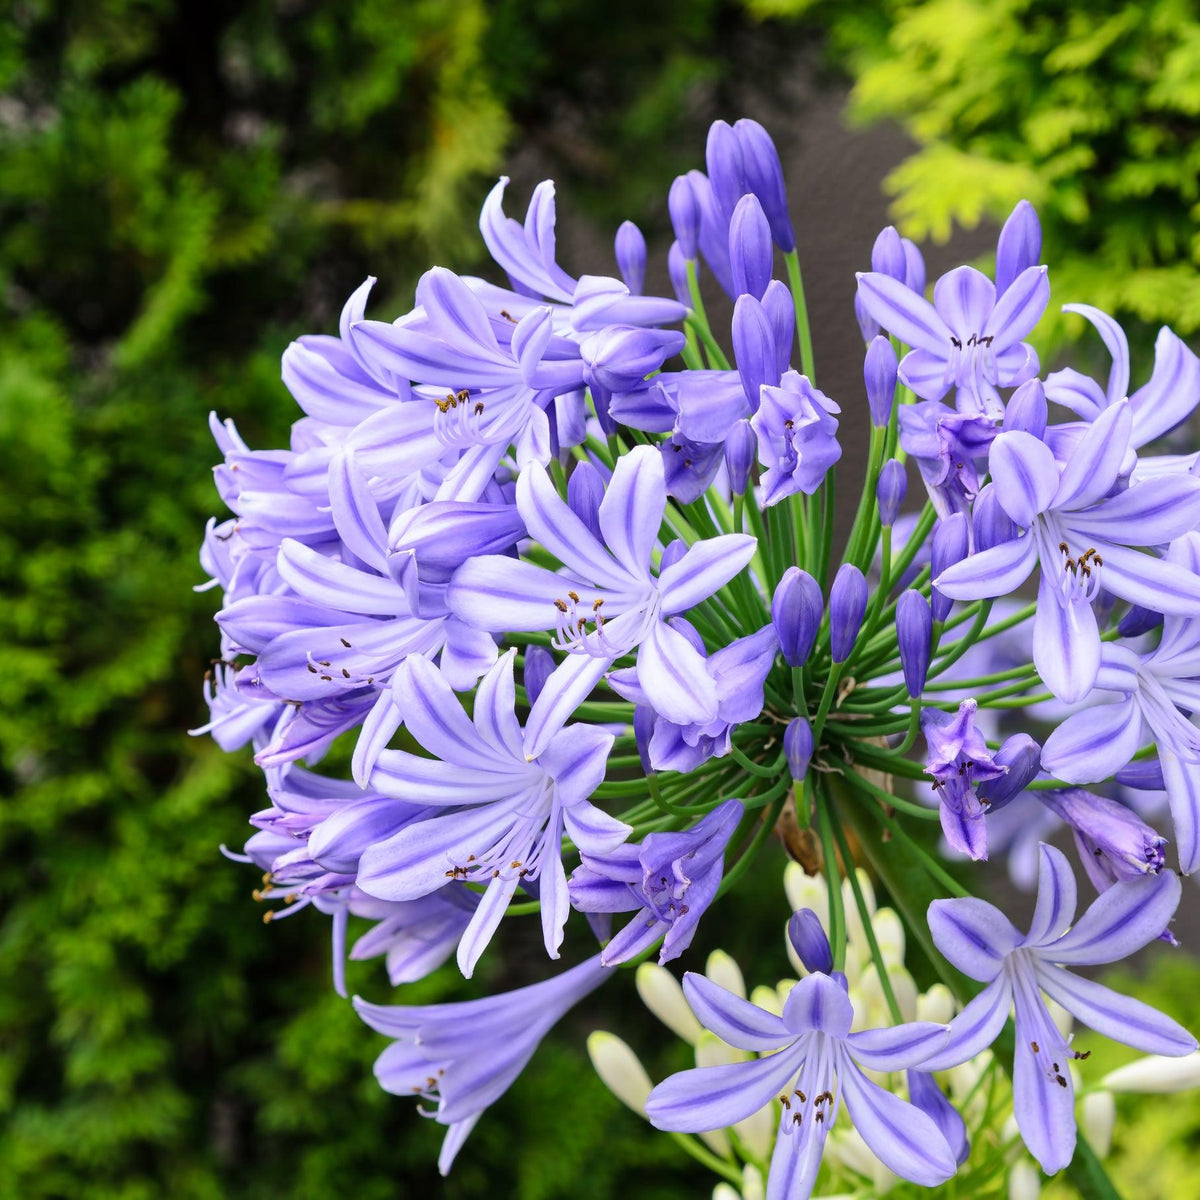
(796, 611)
(969, 338)
(847, 606)
(668, 881)
(503, 807)
(810, 1057)
(950, 449)
(981, 942)
(1020, 759)
(465, 1055)
(797, 437)
(1070, 520)
(607, 586)
(958, 760)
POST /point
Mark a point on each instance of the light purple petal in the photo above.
(466, 654)
(594, 831)
(1019, 309)
(564, 691)
(965, 828)
(632, 509)
(973, 935)
(434, 715)
(925, 372)
(1066, 642)
(484, 922)
(796, 1160)
(1095, 743)
(1056, 897)
(818, 1003)
(976, 1027)
(964, 299)
(326, 581)
(1095, 463)
(733, 1019)
(1131, 914)
(1171, 395)
(1149, 581)
(575, 758)
(1024, 474)
(997, 571)
(714, 1097)
(552, 893)
(673, 676)
(495, 708)
(377, 730)
(501, 595)
(1150, 513)
(903, 313)
(899, 1134)
(899, 1047)
(406, 776)
(355, 513)
(704, 569)
(1043, 1107)
(1183, 792)
(458, 317)
(1118, 346)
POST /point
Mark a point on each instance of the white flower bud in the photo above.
(619, 1070)
(1155, 1073)
(1024, 1182)
(722, 970)
(725, 1191)
(1061, 1018)
(889, 933)
(806, 891)
(662, 995)
(1098, 1116)
(753, 1187)
(768, 998)
(936, 1005)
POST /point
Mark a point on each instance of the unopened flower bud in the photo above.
(879, 376)
(643, 731)
(661, 994)
(847, 607)
(1019, 247)
(619, 1069)
(726, 171)
(990, 524)
(753, 347)
(723, 970)
(1144, 775)
(798, 747)
(1026, 409)
(619, 357)
(684, 209)
(1098, 1116)
(741, 449)
(764, 177)
(630, 249)
(887, 255)
(751, 251)
(951, 541)
(1021, 757)
(914, 267)
(585, 491)
(914, 635)
(781, 312)
(677, 270)
(924, 1092)
(796, 610)
(890, 491)
(1024, 1182)
(539, 663)
(1137, 621)
(866, 323)
(936, 1004)
(674, 550)
(809, 941)
(1156, 1073)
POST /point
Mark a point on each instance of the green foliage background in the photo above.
(183, 188)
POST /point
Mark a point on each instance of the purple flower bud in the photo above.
(726, 171)
(1019, 247)
(685, 216)
(798, 747)
(1144, 776)
(879, 376)
(677, 270)
(690, 632)
(630, 249)
(887, 255)
(914, 267)
(925, 1094)
(643, 730)
(674, 551)
(753, 348)
(1137, 621)
(866, 323)
(890, 491)
(990, 524)
(1114, 842)
(585, 490)
(619, 357)
(1026, 409)
(847, 607)
(781, 312)
(539, 663)
(810, 943)
(601, 399)
(914, 634)
(741, 449)
(951, 541)
(764, 177)
(1021, 757)
(751, 251)
(796, 610)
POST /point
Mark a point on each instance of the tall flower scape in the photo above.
(557, 560)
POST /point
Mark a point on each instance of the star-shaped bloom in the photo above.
(980, 941)
(607, 601)
(797, 437)
(810, 1060)
(1085, 538)
(504, 808)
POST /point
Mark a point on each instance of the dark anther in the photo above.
(327, 678)
(508, 316)
(955, 342)
(561, 605)
(345, 643)
(312, 668)
(345, 673)
(1035, 1046)
(574, 597)
(479, 408)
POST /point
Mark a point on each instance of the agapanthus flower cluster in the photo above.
(549, 571)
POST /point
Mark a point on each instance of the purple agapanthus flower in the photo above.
(669, 881)
(811, 1061)
(797, 437)
(950, 449)
(1158, 690)
(968, 338)
(504, 808)
(607, 602)
(980, 941)
(464, 1056)
(1071, 519)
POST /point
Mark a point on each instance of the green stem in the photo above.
(803, 331)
